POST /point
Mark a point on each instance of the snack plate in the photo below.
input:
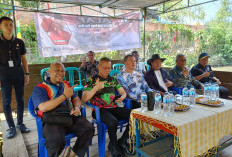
(181, 107)
(200, 100)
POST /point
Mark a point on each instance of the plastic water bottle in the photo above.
(217, 90)
(157, 109)
(185, 94)
(172, 103)
(144, 101)
(166, 110)
(206, 90)
(213, 92)
(210, 91)
(192, 95)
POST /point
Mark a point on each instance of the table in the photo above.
(195, 131)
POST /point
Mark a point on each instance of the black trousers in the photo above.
(135, 104)
(224, 92)
(55, 137)
(18, 84)
(110, 117)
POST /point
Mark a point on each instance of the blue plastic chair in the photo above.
(71, 78)
(101, 129)
(42, 72)
(118, 66)
(177, 90)
(42, 151)
(114, 72)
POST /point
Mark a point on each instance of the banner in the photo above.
(60, 35)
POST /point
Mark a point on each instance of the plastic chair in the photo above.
(42, 72)
(101, 129)
(71, 78)
(118, 66)
(114, 72)
(42, 151)
(177, 89)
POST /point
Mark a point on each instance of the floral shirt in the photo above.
(133, 83)
(90, 69)
(106, 96)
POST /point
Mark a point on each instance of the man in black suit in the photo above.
(157, 78)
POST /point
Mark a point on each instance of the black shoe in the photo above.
(125, 147)
(23, 128)
(114, 150)
(11, 133)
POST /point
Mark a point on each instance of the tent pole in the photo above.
(144, 33)
(13, 13)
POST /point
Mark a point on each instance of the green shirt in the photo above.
(106, 96)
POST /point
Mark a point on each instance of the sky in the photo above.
(211, 10)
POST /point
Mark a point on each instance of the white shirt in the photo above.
(160, 80)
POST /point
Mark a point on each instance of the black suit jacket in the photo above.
(152, 80)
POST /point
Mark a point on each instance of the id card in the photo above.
(11, 63)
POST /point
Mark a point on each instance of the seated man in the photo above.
(203, 73)
(140, 67)
(157, 78)
(89, 67)
(180, 75)
(100, 90)
(49, 95)
(132, 81)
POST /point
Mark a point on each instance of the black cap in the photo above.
(154, 57)
(203, 55)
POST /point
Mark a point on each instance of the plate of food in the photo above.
(204, 101)
(181, 107)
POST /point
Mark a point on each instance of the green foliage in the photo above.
(182, 30)
(216, 39)
(29, 4)
(29, 34)
(196, 13)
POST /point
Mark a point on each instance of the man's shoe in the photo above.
(125, 147)
(114, 150)
(11, 133)
(22, 128)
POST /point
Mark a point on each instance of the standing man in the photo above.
(140, 67)
(157, 78)
(89, 67)
(13, 72)
(180, 75)
(100, 90)
(203, 73)
(133, 81)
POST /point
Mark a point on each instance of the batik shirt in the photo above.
(90, 69)
(179, 80)
(140, 67)
(133, 83)
(106, 96)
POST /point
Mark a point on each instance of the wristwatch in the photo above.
(27, 73)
